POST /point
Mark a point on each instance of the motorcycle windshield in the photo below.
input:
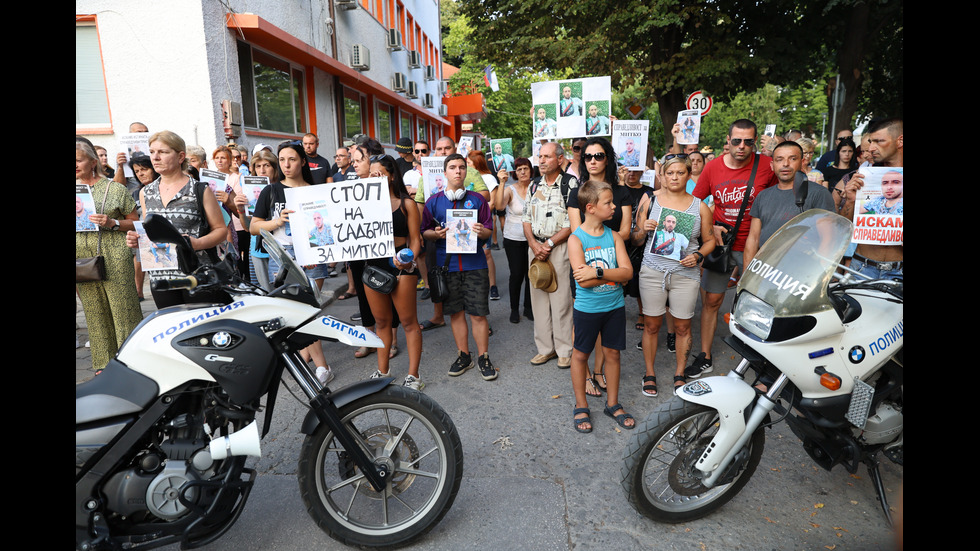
(295, 275)
(792, 271)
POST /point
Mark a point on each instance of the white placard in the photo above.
(349, 220)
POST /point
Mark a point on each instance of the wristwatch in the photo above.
(700, 256)
(115, 226)
(598, 272)
(550, 243)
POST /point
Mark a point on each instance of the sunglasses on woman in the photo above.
(597, 156)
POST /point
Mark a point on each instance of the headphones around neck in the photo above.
(455, 194)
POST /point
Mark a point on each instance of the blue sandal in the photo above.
(622, 417)
(577, 422)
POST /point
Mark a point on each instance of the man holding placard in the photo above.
(468, 278)
(887, 150)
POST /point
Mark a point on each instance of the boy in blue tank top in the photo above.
(596, 254)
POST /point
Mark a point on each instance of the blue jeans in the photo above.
(873, 271)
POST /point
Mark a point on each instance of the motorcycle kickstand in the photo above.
(872, 463)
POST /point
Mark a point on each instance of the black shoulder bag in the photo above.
(720, 259)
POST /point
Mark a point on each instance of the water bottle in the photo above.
(404, 256)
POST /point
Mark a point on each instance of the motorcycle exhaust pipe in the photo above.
(243, 442)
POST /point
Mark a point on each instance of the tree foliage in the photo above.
(666, 49)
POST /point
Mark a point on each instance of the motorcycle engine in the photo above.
(882, 427)
(153, 483)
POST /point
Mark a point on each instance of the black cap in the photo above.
(404, 145)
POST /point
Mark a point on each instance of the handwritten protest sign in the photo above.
(879, 207)
(349, 220)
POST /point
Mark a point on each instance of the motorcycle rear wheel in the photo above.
(419, 439)
(658, 471)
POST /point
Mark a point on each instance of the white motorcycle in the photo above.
(826, 354)
(163, 433)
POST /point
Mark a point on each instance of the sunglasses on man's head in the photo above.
(597, 156)
(749, 142)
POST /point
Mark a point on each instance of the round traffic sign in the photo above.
(698, 100)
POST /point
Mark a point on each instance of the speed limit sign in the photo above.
(698, 100)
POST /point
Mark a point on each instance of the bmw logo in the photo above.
(856, 355)
(221, 339)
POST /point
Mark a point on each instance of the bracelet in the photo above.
(700, 256)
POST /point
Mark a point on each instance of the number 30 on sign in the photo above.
(698, 100)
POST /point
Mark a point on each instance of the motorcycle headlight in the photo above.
(754, 315)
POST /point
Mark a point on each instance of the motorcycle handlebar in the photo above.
(188, 282)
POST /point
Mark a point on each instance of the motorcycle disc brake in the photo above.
(377, 438)
(684, 479)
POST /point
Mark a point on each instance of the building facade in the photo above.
(260, 71)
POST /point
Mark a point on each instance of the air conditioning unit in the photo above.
(346, 4)
(394, 40)
(443, 110)
(414, 59)
(413, 90)
(360, 57)
(443, 87)
(398, 82)
(427, 102)
(430, 72)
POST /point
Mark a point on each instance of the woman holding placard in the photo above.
(264, 163)
(663, 278)
(272, 215)
(405, 231)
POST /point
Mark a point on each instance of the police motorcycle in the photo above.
(163, 433)
(821, 351)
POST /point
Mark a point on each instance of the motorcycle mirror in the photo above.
(160, 230)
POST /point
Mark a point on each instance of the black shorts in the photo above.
(588, 326)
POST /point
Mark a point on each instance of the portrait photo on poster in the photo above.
(673, 233)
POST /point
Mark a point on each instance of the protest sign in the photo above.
(629, 139)
(349, 220)
(154, 256)
(501, 155)
(433, 175)
(571, 108)
(252, 187)
(690, 121)
(84, 207)
(460, 237)
(137, 143)
(879, 207)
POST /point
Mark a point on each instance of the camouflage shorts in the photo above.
(469, 292)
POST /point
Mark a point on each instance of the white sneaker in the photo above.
(377, 374)
(324, 374)
(413, 382)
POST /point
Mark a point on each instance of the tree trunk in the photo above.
(850, 64)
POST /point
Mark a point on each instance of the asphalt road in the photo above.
(531, 482)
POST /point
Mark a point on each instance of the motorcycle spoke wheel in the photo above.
(410, 433)
(659, 473)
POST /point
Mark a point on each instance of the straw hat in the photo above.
(541, 275)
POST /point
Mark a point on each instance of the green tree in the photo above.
(669, 48)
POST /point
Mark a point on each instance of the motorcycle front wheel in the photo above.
(419, 441)
(658, 471)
